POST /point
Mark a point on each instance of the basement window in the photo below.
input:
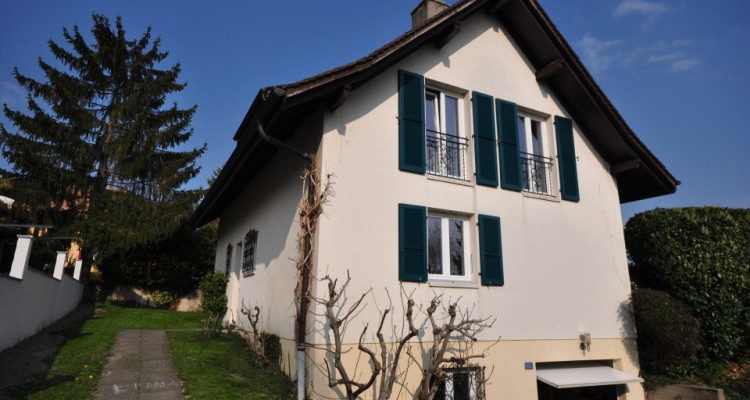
(463, 383)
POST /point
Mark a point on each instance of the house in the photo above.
(472, 156)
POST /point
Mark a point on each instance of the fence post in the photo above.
(21, 257)
(77, 271)
(59, 264)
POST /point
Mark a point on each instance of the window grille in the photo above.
(462, 383)
(535, 173)
(248, 255)
(446, 155)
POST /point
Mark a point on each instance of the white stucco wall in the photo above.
(268, 204)
(36, 301)
(564, 262)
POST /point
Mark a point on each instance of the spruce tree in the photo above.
(95, 151)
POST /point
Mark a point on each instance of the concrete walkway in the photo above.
(139, 368)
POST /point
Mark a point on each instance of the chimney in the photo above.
(426, 10)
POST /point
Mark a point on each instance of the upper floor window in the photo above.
(248, 255)
(445, 144)
(536, 165)
(447, 247)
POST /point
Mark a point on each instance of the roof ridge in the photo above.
(376, 55)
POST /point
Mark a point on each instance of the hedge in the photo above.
(701, 256)
(668, 333)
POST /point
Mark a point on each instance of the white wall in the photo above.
(36, 301)
(564, 262)
(268, 204)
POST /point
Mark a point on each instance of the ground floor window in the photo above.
(447, 247)
(248, 255)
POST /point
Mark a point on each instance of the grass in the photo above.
(210, 368)
(221, 369)
(74, 372)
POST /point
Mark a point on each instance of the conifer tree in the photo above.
(96, 150)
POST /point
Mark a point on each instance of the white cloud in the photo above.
(665, 57)
(595, 52)
(647, 8)
(11, 94)
(677, 61)
(684, 65)
(681, 42)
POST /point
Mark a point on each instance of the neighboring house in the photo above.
(472, 156)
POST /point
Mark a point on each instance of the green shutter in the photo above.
(412, 243)
(490, 250)
(411, 122)
(484, 140)
(566, 159)
(510, 158)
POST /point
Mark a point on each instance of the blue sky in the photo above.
(676, 70)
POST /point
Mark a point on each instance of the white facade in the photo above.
(564, 262)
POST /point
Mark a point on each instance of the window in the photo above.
(461, 384)
(228, 265)
(436, 246)
(248, 255)
(431, 140)
(447, 247)
(445, 146)
(535, 163)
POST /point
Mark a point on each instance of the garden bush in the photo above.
(213, 302)
(163, 299)
(701, 256)
(668, 333)
(271, 346)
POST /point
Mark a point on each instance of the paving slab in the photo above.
(140, 368)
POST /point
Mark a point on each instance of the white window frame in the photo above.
(439, 111)
(544, 151)
(445, 247)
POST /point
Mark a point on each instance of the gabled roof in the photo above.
(281, 109)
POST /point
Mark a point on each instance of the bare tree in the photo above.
(253, 339)
(459, 326)
(447, 336)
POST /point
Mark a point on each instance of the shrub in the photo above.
(213, 302)
(163, 298)
(701, 256)
(668, 334)
(271, 346)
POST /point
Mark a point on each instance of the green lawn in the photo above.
(211, 369)
(220, 369)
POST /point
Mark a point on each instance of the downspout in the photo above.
(306, 251)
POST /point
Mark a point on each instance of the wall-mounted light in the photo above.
(586, 341)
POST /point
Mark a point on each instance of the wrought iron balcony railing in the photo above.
(446, 155)
(535, 174)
